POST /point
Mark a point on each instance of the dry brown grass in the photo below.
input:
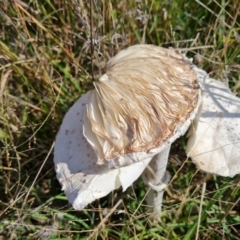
(47, 62)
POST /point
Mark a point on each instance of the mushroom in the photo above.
(214, 140)
(148, 97)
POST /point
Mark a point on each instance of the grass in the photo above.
(45, 66)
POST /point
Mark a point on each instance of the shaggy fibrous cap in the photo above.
(141, 104)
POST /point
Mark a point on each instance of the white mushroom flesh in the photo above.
(214, 140)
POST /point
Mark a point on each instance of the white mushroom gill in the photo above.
(145, 100)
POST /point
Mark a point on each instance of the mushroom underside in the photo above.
(81, 178)
(146, 100)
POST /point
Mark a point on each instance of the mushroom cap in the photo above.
(145, 100)
(214, 140)
(81, 178)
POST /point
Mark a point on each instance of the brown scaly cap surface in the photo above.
(146, 93)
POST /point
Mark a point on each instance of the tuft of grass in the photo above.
(47, 63)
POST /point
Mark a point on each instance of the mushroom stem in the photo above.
(157, 178)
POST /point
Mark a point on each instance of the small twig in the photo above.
(101, 224)
(91, 36)
(200, 210)
(4, 82)
(22, 102)
(145, 26)
(195, 48)
(26, 197)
